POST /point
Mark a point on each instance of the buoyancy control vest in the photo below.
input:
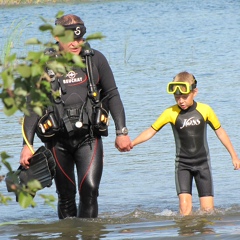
(80, 105)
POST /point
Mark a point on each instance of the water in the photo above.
(147, 43)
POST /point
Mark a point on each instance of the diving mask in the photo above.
(78, 29)
(180, 87)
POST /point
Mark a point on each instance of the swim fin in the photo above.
(42, 168)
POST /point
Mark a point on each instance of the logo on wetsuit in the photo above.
(190, 122)
(72, 78)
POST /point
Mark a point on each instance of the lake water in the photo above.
(147, 43)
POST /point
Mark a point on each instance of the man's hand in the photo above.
(123, 143)
(26, 154)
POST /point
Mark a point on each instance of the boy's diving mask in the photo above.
(180, 87)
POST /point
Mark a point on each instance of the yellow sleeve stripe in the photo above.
(209, 115)
(168, 116)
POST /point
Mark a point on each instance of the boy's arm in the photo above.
(144, 136)
(223, 137)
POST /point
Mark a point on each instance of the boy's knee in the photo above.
(185, 204)
(185, 209)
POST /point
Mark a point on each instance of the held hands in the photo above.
(25, 155)
(123, 143)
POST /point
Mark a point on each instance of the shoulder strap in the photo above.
(93, 92)
(55, 84)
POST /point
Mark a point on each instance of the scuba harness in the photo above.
(92, 115)
(100, 116)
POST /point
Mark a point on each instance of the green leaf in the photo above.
(57, 67)
(7, 79)
(95, 36)
(36, 70)
(25, 111)
(25, 200)
(24, 71)
(68, 37)
(10, 111)
(38, 111)
(33, 41)
(4, 156)
(8, 101)
(34, 56)
(46, 86)
(59, 14)
(12, 57)
(78, 60)
(20, 91)
(34, 185)
(49, 199)
(44, 58)
(4, 199)
(43, 19)
(46, 27)
(58, 31)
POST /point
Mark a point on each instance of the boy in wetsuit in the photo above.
(189, 121)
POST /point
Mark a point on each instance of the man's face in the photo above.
(72, 47)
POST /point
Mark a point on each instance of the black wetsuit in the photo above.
(192, 152)
(83, 150)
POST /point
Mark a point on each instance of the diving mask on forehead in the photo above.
(180, 87)
(78, 29)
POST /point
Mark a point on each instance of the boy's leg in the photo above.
(184, 178)
(207, 203)
(204, 183)
(185, 203)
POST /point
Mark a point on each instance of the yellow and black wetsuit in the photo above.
(192, 152)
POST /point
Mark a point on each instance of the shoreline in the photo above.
(30, 2)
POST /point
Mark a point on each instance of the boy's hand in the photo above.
(236, 164)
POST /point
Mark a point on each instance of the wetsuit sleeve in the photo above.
(30, 124)
(168, 116)
(108, 85)
(209, 116)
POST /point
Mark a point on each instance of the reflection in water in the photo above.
(74, 228)
(193, 225)
(137, 225)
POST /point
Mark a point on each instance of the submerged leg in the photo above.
(88, 207)
(67, 207)
(207, 203)
(185, 204)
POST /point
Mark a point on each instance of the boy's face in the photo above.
(184, 101)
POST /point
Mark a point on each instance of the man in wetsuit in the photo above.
(189, 121)
(82, 148)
